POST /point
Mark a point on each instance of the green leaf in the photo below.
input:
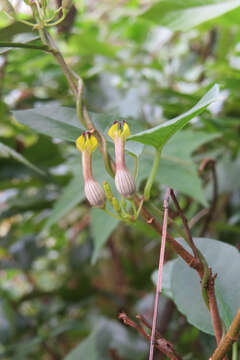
(62, 123)
(184, 143)
(7, 33)
(7, 152)
(102, 226)
(52, 120)
(186, 288)
(108, 335)
(94, 347)
(87, 44)
(71, 195)
(166, 278)
(6, 46)
(176, 168)
(184, 15)
(159, 135)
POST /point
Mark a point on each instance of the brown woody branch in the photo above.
(161, 344)
(185, 224)
(210, 280)
(213, 307)
(230, 337)
(180, 250)
(192, 261)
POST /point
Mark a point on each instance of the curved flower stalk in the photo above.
(86, 144)
(124, 181)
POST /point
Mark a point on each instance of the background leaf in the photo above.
(159, 135)
(186, 287)
(94, 347)
(55, 121)
(184, 15)
(6, 152)
(102, 226)
(176, 167)
(71, 196)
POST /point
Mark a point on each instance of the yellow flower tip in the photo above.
(119, 129)
(86, 142)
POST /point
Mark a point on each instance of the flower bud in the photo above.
(94, 193)
(124, 181)
(86, 144)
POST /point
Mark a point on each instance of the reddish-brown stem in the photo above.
(198, 217)
(114, 355)
(79, 226)
(185, 224)
(66, 25)
(213, 308)
(195, 263)
(164, 346)
(142, 319)
(211, 163)
(160, 270)
(230, 337)
(184, 254)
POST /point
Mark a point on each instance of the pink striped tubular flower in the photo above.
(86, 144)
(124, 181)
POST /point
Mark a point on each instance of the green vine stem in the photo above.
(151, 178)
(235, 351)
(76, 86)
(79, 102)
(25, 46)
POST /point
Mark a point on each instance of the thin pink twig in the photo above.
(160, 270)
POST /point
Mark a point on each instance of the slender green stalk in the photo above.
(139, 209)
(57, 21)
(112, 214)
(235, 351)
(151, 178)
(134, 208)
(26, 46)
(48, 40)
(79, 103)
(76, 86)
(26, 22)
(54, 16)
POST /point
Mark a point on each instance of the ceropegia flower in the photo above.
(124, 181)
(86, 144)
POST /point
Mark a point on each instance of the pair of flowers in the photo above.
(124, 181)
